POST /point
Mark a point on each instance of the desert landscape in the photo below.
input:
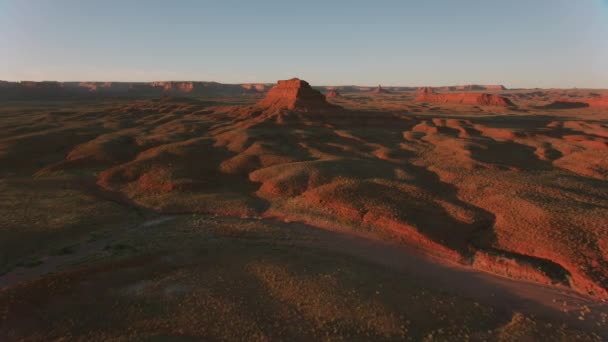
(303, 170)
(202, 210)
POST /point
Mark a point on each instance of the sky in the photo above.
(518, 43)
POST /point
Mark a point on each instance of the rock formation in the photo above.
(294, 94)
(427, 94)
(260, 87)
(181, 87)
(50, 90)
(472, 87)
(333, 93)
(380, 90)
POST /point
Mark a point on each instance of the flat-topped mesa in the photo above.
(428, 94)
(173, 86)
(294, 94)
(470, 87)
(259, 87)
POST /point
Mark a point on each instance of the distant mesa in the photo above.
(181, 87)
(259, 87)
(380, 90)
(333, 93)
(294, 94)
(59, 90)
(95, 86)
(427, 94)
(472, 87)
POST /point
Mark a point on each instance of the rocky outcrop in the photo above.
(380, 90)
(181, 87)
(427, 94)
(333, 93)
(294, 94)
(259, 87)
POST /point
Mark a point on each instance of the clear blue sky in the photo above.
(519, 43)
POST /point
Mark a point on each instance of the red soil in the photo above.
(600, 102)
(522, 195)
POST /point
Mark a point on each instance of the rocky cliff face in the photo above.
(259, 87)
(181, 87)
(427, 94)
(294, 94)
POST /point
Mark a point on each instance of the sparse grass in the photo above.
(47, 217)
(205, 280)
(447, 173)
(65, 250)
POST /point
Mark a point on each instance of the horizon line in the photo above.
(313, 85)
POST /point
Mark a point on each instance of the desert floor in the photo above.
(386, 219)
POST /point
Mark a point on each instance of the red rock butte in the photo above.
(294, 94)
(427, 94)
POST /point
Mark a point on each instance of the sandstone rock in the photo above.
(259, 87)
(427, 94)
(294, 94)
(180, 87)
